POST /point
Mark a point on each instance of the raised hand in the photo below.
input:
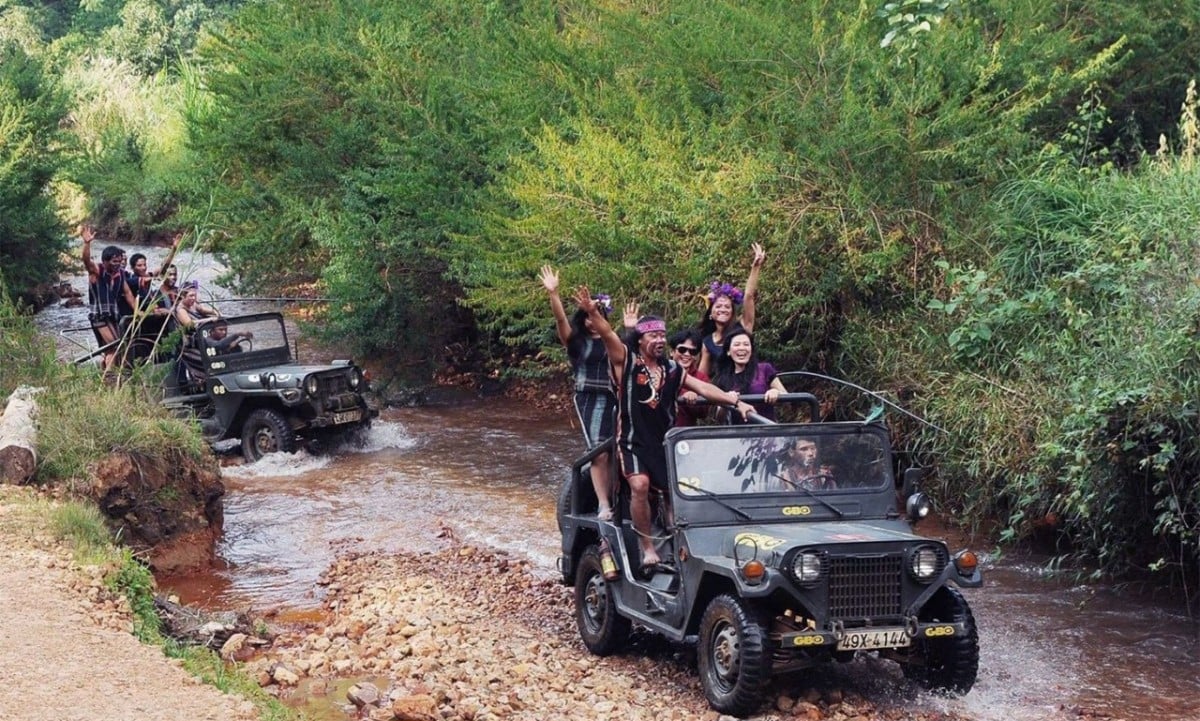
(584, 298)
(631, 314)
(759, 255)
(549, 279)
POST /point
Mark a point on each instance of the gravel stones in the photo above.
(468, 634)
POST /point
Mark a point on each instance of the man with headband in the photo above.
(647, 385)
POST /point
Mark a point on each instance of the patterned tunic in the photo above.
(647, 412)
(595, 403)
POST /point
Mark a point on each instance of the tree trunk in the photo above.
(18, 437)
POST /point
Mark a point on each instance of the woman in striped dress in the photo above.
(595, 402)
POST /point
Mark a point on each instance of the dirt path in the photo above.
(66, 652)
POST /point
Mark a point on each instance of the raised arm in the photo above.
(88, 234)
(752, 288)
(706, 360)
(549, 279)
(612, 341)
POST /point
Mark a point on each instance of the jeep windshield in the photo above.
(244, 342)
(785, 460)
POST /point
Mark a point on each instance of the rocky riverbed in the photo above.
(468, 634)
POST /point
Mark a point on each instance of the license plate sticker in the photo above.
(878, 638)
(347, 417)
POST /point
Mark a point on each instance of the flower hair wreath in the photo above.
(604, 301)
(715, 290)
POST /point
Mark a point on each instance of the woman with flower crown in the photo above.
(595, 403)
(718, 317)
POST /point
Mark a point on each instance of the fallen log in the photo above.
(18, 437)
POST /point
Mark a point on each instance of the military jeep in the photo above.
(243, 382)
(784, 547)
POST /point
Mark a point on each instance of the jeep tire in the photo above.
(733, 656)
(266, 431)
(603, 630)
(946, 665)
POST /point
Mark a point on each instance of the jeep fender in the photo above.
(949, 574)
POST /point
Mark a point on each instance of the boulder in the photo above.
(420, 707)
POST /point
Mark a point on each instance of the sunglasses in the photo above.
(686, 350)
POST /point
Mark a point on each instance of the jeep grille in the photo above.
(333, 384)
(862, 588)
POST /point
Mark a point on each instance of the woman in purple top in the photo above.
(739, 370)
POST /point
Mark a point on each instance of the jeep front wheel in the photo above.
(266, 431)
(603, 629)
(734, 658)
(946, 665)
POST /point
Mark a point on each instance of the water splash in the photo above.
(380, 436)
(281, 465)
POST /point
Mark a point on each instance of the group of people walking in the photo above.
(117, 294)
(631, 388)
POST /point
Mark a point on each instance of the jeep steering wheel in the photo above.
(249, 345)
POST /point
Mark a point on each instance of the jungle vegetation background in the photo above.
(988, 210)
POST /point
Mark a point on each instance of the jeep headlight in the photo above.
(312, 385)
(925, 563)
(355, 379)
(806, 568)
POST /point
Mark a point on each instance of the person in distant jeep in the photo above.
(648, 385)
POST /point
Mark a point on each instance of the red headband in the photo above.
(650, 326)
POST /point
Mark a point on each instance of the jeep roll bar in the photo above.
(814, 406)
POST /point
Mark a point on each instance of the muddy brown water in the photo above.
(488, 471)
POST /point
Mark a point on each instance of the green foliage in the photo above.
(1077, 400)
(130, 133)
(31, 237)
(81, 525)
(907, 20)
(26, 356)
(133, 580)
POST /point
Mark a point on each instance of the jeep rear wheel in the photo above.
(266, 431)
(603, 629)
(946, 665)
(734, 658)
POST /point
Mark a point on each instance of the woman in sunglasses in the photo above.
(595, 402)
(685, 350)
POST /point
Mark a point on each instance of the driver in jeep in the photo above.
(802, 467)
(222, 341)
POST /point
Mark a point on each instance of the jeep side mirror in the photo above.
(912, 481)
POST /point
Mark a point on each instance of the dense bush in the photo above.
(31, 235)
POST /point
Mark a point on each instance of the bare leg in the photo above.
(107, 335)
(639, 508)
(600, 476)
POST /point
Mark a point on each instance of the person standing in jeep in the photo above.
(648, 385)
(107, 292)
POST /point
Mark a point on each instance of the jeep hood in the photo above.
(782, 538)
(286, 376)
